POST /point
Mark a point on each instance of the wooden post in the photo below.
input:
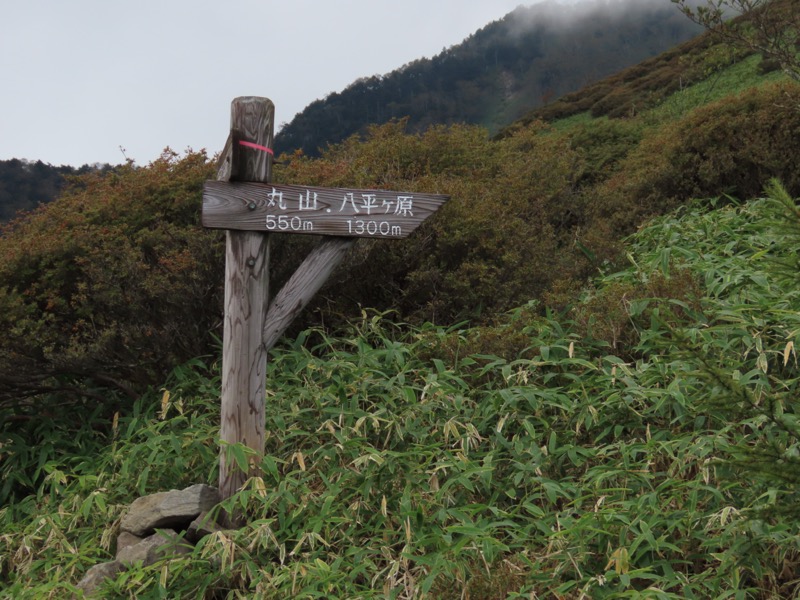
(244, 358)
(240, 202)
(303, 285)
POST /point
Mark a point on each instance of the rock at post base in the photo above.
(125, 539)
(175, 508)
(164, 544)
(97, 574)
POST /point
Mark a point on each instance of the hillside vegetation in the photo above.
(26, 184)
(608, 459)
(577, 380)
(526, 59)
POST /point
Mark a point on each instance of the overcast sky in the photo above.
(82, 78)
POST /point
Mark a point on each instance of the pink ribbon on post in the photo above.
(257, 147)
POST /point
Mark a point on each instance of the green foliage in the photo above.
(62, 498)
(733, 146)
(769, 27)
(109, 285)
(400, 463)
(603, 143)
(729, 81)
(533, 215)
(26, 184)
(643, 443)
(511, 218)
(596, 181)
(522, 61)
(529, 213)
(641, 87)
(542, 208)
(753, 138)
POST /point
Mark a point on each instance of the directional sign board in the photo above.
(315, 210)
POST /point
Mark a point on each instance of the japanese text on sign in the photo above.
(316, 210)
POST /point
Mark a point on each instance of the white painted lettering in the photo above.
(404, 206)
(369, 202)
(307, 202)
(375, 228)
(284, 223)
(275, 198)
(348, 197)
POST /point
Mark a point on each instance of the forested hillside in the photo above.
(577, 380)
(532, 56)
(24, 184)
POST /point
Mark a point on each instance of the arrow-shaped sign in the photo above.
(316, 210)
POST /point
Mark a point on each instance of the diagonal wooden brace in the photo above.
(303, 285)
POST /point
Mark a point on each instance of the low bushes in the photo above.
(730, 147)
(110, 285)
(401, 463)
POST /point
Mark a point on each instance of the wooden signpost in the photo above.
(315, 210)
(245, 203)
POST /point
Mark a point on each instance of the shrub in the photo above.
(733, 146)
(602, 144)
(111, 285)
(501, 240)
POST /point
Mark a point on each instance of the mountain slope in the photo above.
(530, 57)
(413, 463)
(532, 216)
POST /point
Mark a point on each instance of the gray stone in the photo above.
(125, 539)
(175, 508)
(202, 526)
(96, 575)
(185, 510)
(163, 544)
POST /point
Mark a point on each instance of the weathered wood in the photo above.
(244, 359)
(224, 161)
(302, 285)
(248, 206)
(345, 212)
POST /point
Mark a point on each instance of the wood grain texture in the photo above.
(248, 206)
(302, 285)
(252, 120)
(244, 360)
(224, 161)
(348, 212)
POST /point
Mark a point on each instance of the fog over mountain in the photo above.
(568, 16)
(501, 72)
(527, 59)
